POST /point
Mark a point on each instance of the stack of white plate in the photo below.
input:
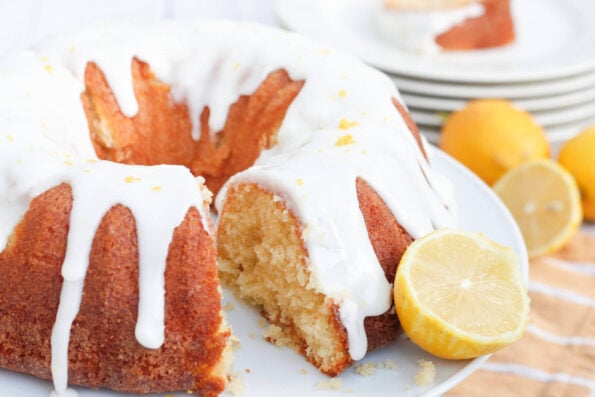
(549, 70)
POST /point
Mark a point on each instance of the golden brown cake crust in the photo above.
(390, 241)
(103, 350)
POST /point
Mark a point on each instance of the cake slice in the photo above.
(428, 26)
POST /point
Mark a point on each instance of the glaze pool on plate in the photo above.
(268, 370)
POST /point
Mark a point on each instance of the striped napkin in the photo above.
(556, 356)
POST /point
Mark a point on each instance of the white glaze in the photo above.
(416, 29)
(44, 140)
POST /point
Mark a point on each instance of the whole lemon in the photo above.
(577, 155)
(491, 136)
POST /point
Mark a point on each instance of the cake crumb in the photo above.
(234, 341)
(426, 373)
(388, 364)
(306, 232)
(366, 369)
(228, 306)
(236, 384)
(261, 323)
(205, 191)
(303, 371)
(253, 335)
(333, 384)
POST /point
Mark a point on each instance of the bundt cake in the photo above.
(106, 243)
(428, 26)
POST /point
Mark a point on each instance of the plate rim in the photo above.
(530, 104)
(469, 90)
(546, 118)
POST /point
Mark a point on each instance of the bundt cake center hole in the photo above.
(162, 130)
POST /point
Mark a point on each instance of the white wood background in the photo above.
(24, 22)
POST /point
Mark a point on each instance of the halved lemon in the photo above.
(545, 201)
(459, 295)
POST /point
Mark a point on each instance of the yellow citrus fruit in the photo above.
(577, 155)
(490, 136)
(544, 200)
(459, 295)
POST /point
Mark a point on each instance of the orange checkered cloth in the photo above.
(556, 356)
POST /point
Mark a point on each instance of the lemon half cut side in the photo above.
(459, 295)
(545, 201)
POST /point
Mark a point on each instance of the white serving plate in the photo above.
(270, 371)
(561, 86)
(555, 39)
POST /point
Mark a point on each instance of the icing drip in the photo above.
(177, 192)
(44, 141)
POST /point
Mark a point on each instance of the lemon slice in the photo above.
(459, 295)
(545, 201)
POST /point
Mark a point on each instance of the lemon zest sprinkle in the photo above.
(345, 124)
(345, 140)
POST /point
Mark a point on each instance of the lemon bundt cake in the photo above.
(106, 241)
(428, 26)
